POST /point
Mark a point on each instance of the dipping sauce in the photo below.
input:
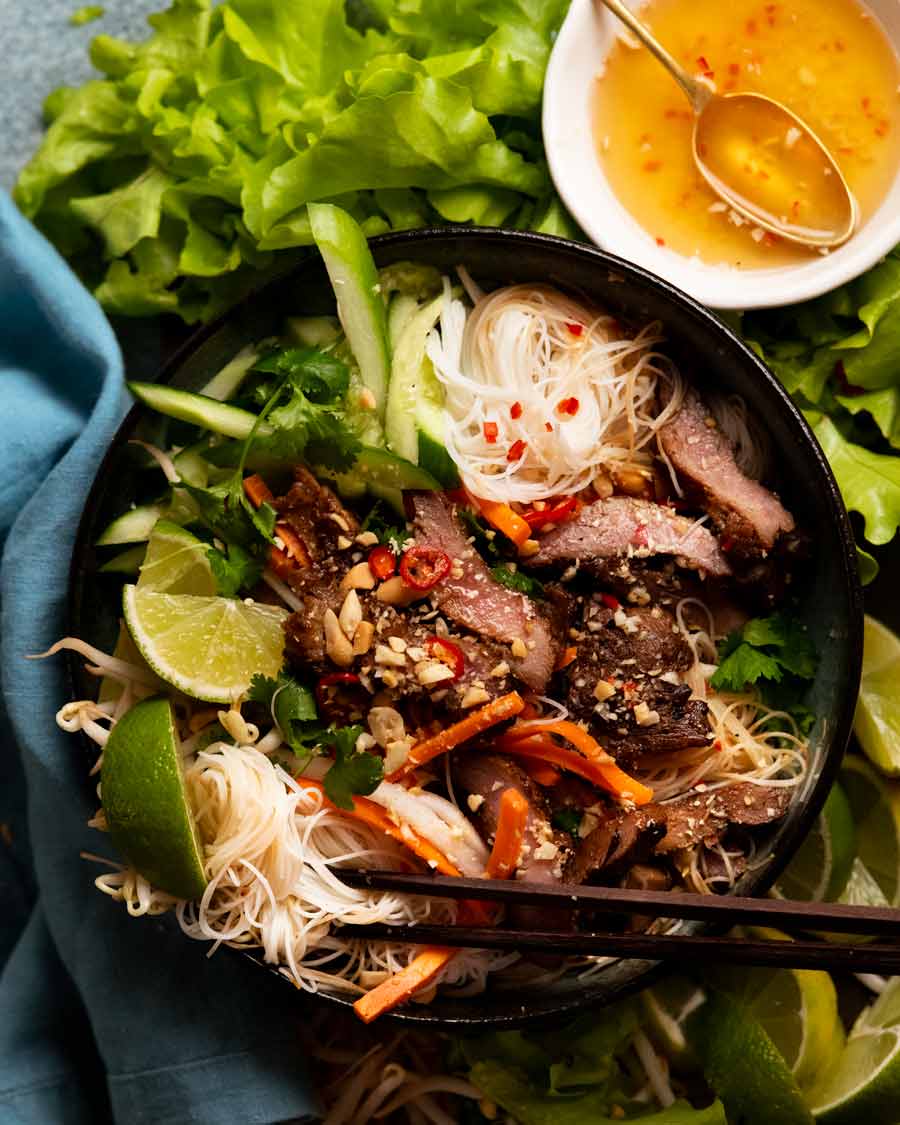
(827, 60)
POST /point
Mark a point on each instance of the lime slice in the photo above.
(209, 648)
(176, 562)
(797, 1009)
(865, 1085)
(821, 867)
(862, 889)
(875, 805)
(877, 721)
(143, 793)
(743, 1066)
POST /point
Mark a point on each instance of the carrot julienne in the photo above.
(417, 975)
(603, 767)
(541, 773)
(257, 491)
(511, 821)
(497, 711)
(505, 520)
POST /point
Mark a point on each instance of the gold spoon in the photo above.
(760, 158)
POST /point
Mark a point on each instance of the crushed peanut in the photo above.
(473, 697)
(386, 656)
(350, 617)
(362, 638)
(603, 690)
(359, 577)
(337, 646)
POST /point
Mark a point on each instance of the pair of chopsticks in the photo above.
(724, 911)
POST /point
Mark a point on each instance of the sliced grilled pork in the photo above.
(746, 513)
(470, 597)
(622, 527)
(483, 778)
(622, 837)
(703, 817)
(620, 683)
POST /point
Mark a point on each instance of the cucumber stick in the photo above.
(227, 382)
(134, 526)
(409, 375)
(198, 409)
(357, 290)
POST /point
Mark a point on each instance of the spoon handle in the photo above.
(697, 93)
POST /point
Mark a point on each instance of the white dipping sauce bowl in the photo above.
(584, 41)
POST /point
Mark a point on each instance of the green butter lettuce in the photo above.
(839, 356)
(180, 179)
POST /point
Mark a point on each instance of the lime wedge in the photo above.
(176, 562)
(862, 889)
(865, 1085)
(143, 793)
(875, 805)
(743, 1066)
(820, 869)
(209, 648)
(877, 721)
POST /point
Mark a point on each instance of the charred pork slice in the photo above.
(470, 597)
(483, 778)
(620, 683)
(702, 817)
(745, 512)
(624, 837)
(622, 527)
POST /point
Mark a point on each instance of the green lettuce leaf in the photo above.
(179, 181)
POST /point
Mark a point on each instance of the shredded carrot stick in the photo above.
(294, 547)
(257, 491)
(542, 774)
(417, 975)
(566, 657)
(606, 775)
(504, 519)
(371, 813)
(511, 820)
(497, 711)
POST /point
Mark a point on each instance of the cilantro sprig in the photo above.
(293, 707)
(517, 580)
(774, 653)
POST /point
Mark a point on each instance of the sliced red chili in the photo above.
(448, 653)
(574, 328)
(548, 427)
(568, 406)
(491, 430)
(516, 450)
(382, 562)
(609, 601)
(333, 680)
(424, 567)
(554, 513)
(515, 411)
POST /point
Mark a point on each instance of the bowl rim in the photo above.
(580, 181)
(835, 740)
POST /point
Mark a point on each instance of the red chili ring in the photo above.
(382, 562)
(448, 653)
(424, 567)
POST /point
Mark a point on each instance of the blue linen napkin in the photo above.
(104, 1017)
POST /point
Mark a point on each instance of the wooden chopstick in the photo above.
(725, 910)
(863, 958)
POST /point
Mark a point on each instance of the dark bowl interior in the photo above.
(708, 352)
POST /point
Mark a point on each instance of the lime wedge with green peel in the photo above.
(865, 1084)
(875, 804)
(176, 562)
(877, 721)
(143, 793)
(797, 1009)
(743, 1066)
(209, 648)
(821, 867)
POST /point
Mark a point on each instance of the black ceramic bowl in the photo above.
(708, 352)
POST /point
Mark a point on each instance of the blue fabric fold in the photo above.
(104, 1017)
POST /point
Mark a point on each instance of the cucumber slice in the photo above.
(400, 311)
(227, 382)
(433, 455)
(313, 331)
(386, 470)
(126, 562)
(357, 290)
(198, 409)
(133, 526)
(409, 376)
(192, 468)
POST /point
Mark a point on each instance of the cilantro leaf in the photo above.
(304, 430)
(319, 376)
(293, 707)
(745, 665)
(354, 771)
(517, 580)
(566, 820)
(236, 570)
(222, 509)
(485, 544)
(389, 534)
